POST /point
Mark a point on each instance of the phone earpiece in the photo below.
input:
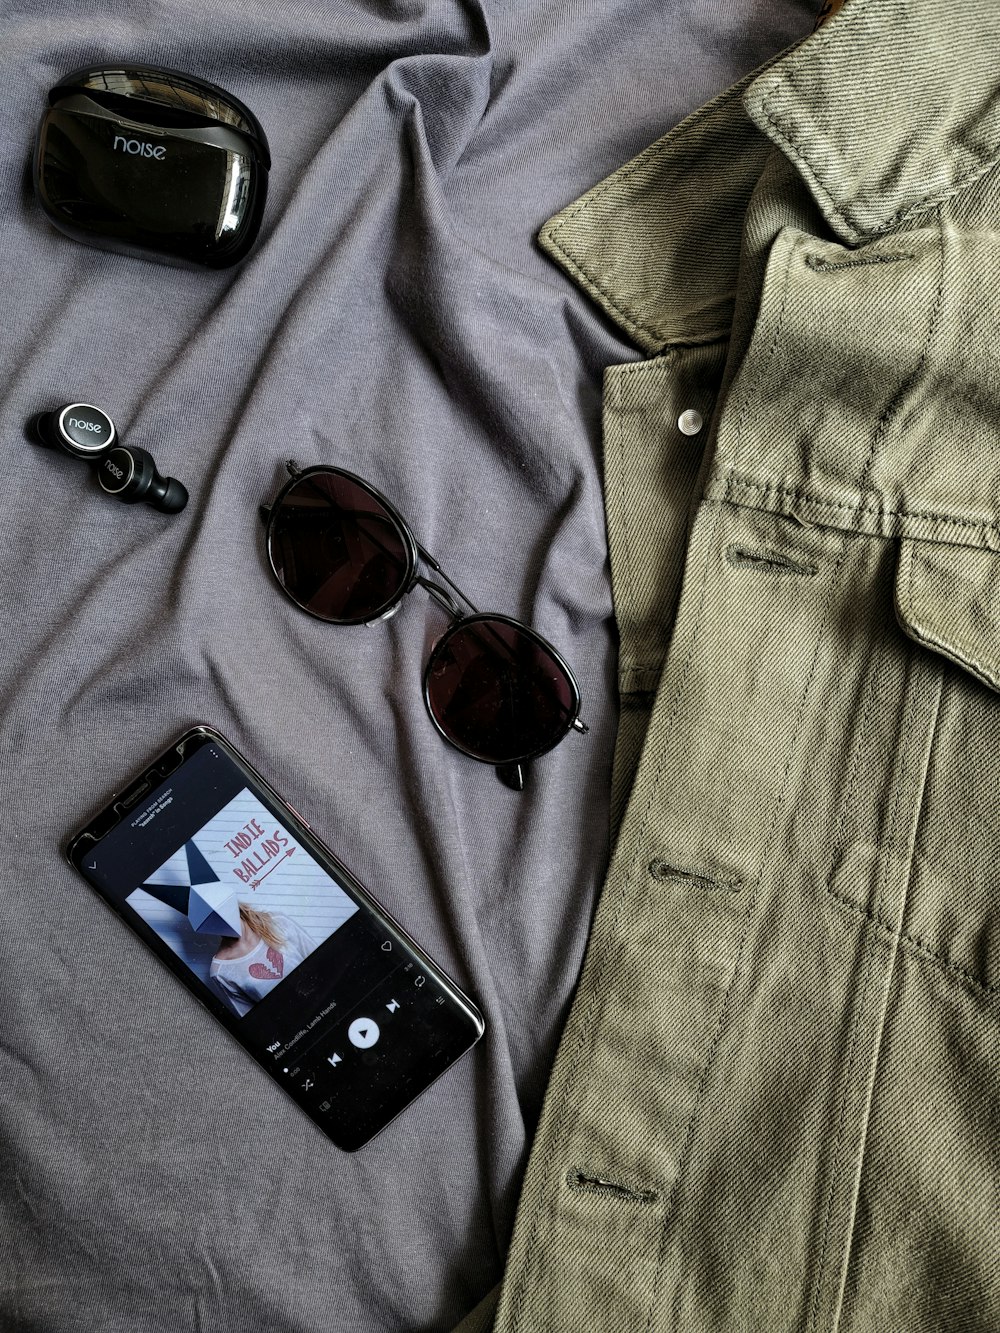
(130, 475)
(124, 471)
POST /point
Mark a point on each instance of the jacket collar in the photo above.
(887, 109)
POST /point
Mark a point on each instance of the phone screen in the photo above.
(230, 888)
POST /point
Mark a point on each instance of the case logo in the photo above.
(85, 425)
(139, 148)
(113, 468)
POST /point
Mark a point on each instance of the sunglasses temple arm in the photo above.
(512, 775)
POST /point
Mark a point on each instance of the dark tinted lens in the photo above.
(336, 550)
(497, 692)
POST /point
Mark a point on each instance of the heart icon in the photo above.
(261, 972)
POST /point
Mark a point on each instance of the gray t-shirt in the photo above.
(396, 318)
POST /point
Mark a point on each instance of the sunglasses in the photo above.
(494, 688)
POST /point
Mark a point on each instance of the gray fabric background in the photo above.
(398, 319)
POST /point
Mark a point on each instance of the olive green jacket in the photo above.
(776, 1104)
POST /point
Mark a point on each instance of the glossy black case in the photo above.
(154, 162)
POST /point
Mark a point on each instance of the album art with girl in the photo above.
(242, 903)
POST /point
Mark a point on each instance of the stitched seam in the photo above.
(611, 938)
(915, 941)
(688, 1144)
(945, 645)
(883, 880)
(904, 588)
(918, 945)
(756, 388)
(664, 361)
(691, 341)
(787, 141)
(785, 135)
(629, 318)
(935, 200)
(658, 369)
(835, 1169)
(894, 405)
(892, 840)
(875, 676)
(624, 527)
(926, 701)
(735, 481)
(657, 365)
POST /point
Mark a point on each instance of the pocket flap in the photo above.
(948, 599)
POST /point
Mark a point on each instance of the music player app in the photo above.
(225, 883)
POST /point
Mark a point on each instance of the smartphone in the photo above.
(232, 890)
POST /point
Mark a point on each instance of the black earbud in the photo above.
(127, 473)
(77, 429)
(130, 475)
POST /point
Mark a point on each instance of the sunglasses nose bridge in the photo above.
(441, 595)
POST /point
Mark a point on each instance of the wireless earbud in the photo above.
(130, 475)
(126, 472)
(78, 429)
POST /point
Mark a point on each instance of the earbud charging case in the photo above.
(153, 162)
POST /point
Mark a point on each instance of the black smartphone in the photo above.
(229, 887)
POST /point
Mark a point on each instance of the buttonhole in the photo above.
(662, 870)
(822, 265)
(578, 1179)
(769, 562)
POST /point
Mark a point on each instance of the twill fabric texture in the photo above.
(776, 1102)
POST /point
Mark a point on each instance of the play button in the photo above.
(363, 1032)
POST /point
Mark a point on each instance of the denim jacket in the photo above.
(776, 1104)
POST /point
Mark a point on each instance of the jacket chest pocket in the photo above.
(869, 401)
(948, 602)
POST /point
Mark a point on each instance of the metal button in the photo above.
(690, 422)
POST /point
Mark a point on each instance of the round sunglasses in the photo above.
(494, 688)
